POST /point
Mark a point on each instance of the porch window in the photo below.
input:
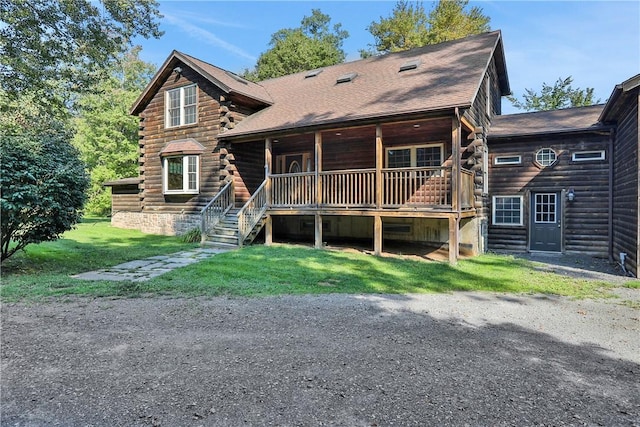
(181, 106)
(181, 174)
(416, 156)
(507, 210)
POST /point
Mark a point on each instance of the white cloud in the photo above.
(206, 36)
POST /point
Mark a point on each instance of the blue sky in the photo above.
(595, 42)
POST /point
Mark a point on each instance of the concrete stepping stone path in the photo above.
(148, 268)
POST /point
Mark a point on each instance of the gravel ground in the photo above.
(474, 359)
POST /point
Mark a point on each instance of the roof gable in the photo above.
(227, 81)
(620, 95)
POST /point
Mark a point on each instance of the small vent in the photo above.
(410, 65)
(312, 73)
(237, 77)
(346, 78)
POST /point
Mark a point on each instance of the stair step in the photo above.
(219, 245)
(224, 231)
(219, 238)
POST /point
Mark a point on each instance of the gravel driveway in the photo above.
(454, 359)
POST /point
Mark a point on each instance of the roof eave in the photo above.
(327, 124)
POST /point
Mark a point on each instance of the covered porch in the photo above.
(409, 169)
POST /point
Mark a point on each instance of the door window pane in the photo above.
(545, 208)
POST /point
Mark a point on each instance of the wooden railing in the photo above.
(293, 189)
(426, 187)
(252, 211)
(348, 188)
(416, 187)
(466, 189)
(217, 208)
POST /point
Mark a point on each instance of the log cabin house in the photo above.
(407, 147)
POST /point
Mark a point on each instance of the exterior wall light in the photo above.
(571, 195)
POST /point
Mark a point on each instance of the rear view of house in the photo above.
(386, 148)
(406, 147)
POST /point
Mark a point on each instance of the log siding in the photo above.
(586, 220)
(625, 188)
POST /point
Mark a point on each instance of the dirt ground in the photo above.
(348, 360)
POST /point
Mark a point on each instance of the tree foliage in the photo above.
(42, 183)
(107, 135)
(409, 25)
(58, 48)
(312, 45)
(560, 95)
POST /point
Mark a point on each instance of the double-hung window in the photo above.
(415, 157)
(181, 174)
(507, 210)
(181, 106)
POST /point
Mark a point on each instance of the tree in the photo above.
(560, 95)
(312, 45)
(409, 26)
(58, 48)
(107, 136)
(42, 182)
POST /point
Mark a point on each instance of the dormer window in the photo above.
(181, 106)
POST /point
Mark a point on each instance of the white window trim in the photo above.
(185, 175)
(600, 153)
(167, 119)
(414, 150)
(556, 155)
(493, 211)
(499, 160)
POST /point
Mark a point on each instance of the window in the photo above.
(507, 210)
(181, 175)
(585, 156)
(507, 160)
(545, 208)
(181, 106)
(415, 157)
(546, 157)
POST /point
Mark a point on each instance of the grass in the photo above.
(43, 271)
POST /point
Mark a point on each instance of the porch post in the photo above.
(318, 237)
(268, 226)
(377, 235)
(318, 163)
(454, 225)
(379, 163)
(456, 177)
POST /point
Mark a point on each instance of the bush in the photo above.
(43, 185)
(192, 236)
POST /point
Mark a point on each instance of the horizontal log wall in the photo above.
(586, 220)
(248, 168)
(625, 188)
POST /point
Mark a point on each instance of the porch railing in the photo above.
(467, 186)
(252, 211)
(217, 208)
(348, 188)
(416, 186)
(426, 187)
(293, 189)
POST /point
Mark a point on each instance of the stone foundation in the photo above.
(156, 223)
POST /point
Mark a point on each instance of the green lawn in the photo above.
(44, 270)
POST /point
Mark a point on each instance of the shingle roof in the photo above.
(545, 122)
(449, 75)
(225, 80)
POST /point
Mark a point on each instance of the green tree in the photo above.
(312, 45)
(107, 136)
(58, 48)
(42, 182)
(560, 95)
(409, 26)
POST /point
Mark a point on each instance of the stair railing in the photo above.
(217, 208)
(251, 213)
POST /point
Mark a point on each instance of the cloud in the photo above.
(207, 37)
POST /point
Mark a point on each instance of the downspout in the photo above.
(611, 177)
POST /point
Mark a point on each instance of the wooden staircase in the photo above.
(226, 233)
